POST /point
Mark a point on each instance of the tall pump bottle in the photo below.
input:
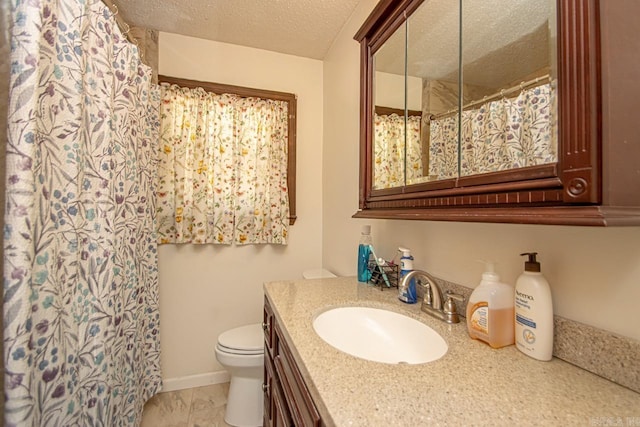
(490, 310)
(364, 252)
(533, 311)
(407, 293)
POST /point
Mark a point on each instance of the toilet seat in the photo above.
(247, 340)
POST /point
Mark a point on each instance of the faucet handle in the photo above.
(428, 294)
(450, 308)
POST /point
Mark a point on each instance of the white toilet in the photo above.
(241, 352)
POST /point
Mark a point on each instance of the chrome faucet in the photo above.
(432, 301)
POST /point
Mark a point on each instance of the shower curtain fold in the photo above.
(81, 337)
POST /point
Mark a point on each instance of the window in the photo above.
(226, 164)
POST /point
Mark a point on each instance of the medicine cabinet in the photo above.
(499, 111)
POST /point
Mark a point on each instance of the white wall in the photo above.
(594, 272)
(389, 91)
(207, 289)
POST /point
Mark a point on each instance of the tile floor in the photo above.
(194, 407)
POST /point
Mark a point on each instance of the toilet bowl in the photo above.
(241, 352)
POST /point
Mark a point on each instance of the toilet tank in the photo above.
(318, 273)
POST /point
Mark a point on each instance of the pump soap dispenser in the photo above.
(490, 310)
(408, 293)
(533, 312)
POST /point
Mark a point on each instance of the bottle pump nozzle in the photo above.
(531, 264)
(405, 252)
(489, 270)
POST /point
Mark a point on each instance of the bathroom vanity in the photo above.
(310, 383)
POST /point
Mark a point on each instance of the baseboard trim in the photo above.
(198, 380)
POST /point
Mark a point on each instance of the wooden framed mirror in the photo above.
(556, 56)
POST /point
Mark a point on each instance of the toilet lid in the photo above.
(247, 339)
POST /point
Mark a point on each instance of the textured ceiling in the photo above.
(501, 39)
(296, 27)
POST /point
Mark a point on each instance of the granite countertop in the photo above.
(472, 384)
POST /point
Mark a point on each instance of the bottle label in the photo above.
(364, 274)
(523, 301)
(480, 317)
(407, 294)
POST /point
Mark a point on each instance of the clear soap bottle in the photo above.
(490, 311)
(364, 252)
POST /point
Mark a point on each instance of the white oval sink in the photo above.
(379, 335)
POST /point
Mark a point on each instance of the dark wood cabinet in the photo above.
(287, 401)
(596, 179)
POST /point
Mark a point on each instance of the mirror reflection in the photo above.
(508, 113)
(389, 114)
(486, 109)
(433, 58)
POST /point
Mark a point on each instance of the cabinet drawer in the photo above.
(301, 406)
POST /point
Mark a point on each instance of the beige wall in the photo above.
(594, 273)
(207, 289)
(389, 91)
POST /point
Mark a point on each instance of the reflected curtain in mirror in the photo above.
(508, 133)
(504, 134)
(223, 168)
(389, 149)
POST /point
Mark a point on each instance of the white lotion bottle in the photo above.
(533, 312)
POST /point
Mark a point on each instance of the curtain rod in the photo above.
(122, 24)
(501, 94)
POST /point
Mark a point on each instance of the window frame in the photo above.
(292, 103)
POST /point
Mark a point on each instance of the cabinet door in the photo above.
(280, 415)
(268, 390)
(299, 401)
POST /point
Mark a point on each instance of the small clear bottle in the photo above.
(364, 252)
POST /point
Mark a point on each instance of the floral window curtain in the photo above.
(81, 341)
(222, 169)
(389, 152)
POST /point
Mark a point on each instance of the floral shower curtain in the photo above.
(508, 133)
(389, 150)
(81, 316)
(443, 148)
(223, 168)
